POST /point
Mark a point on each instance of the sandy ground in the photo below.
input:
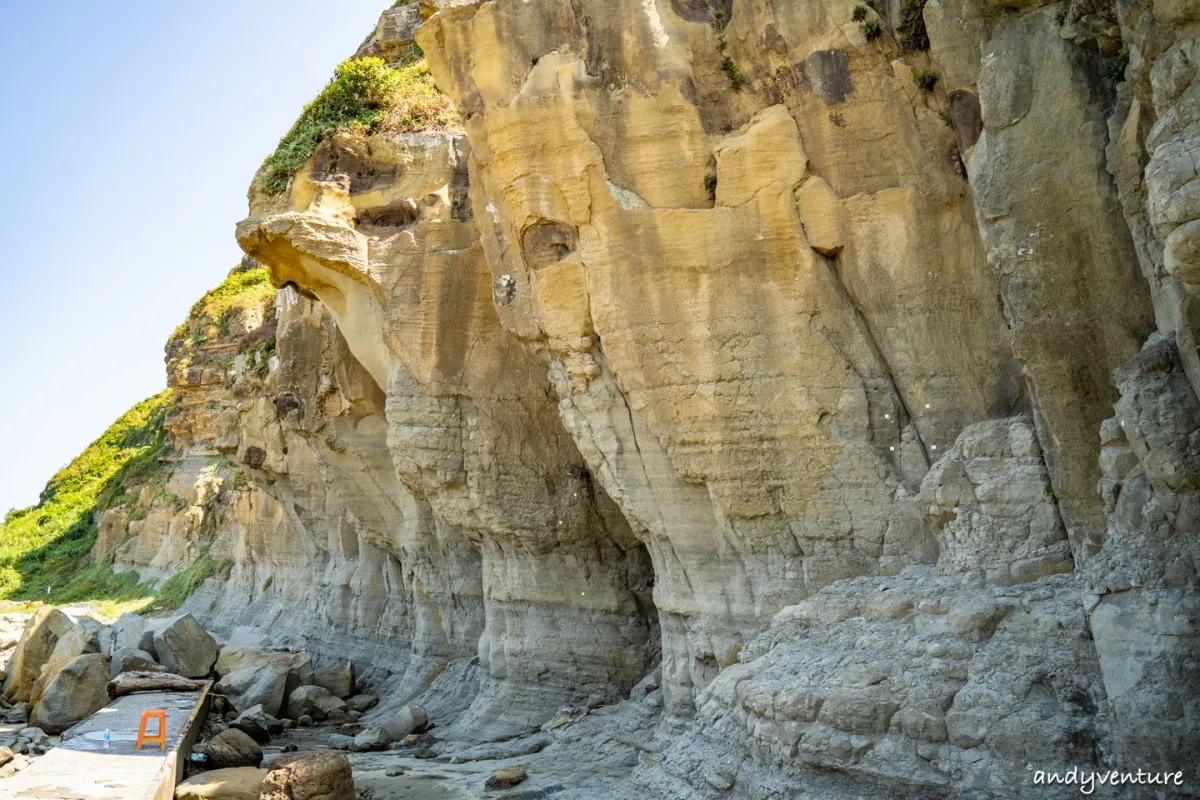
(372, 782)
(422, 779)
(450, 777)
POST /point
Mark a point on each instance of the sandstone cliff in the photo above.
(714, 338)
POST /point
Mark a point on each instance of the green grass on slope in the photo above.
(180, 586)
(48, 544)
(210, 315)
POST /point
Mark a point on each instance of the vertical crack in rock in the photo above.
(835, 279)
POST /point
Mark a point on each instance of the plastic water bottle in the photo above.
(107, 737)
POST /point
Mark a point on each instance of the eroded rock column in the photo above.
(471, 428)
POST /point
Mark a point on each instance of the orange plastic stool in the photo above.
(159, 738)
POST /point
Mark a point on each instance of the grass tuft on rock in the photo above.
(913, 35)
(367, 96)
(731, 70)
(179, 587)
(1114, 70)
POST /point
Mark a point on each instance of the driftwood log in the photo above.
(130, 682)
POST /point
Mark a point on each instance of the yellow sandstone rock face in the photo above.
(471, 428)
(758, 409)
(715, 342)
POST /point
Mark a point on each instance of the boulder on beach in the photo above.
(238, 783)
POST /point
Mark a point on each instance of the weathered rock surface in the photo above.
(38, 641)
(129, 633)
(410, 719)
(76, 690)
(250, 685)
(362, 702)
(337, 679)
(243, 783)
(863, 418)
(27, 741)
(369, 739)
(298, 665)
(990, 502)
(315, 702)
(185, 648)
(314, 775)
(130, 659)
(256, 723)
(233, 748)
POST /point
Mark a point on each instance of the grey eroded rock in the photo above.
(233, 748)
(130, 659)
(340, 741)
(16, 715)
(410, 719)
(338, 679)
(28, 741)
(1150, 484)
(247, 636)
(77, 690)
(990, 501)
(866, 676)
(1053, 234)
(298, 666)
(369, 739)
(1144, 615)
(257, 724)
(252, 685)
(33, 651)
(129, 632)
(315, 702)
(362, 702)
(185, 648)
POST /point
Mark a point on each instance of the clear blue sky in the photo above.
(129, 132)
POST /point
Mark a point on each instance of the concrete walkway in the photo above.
(83, 767)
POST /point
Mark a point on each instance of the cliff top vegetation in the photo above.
(247, 285)
(366, 96)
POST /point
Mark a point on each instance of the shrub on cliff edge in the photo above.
(365, 95)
